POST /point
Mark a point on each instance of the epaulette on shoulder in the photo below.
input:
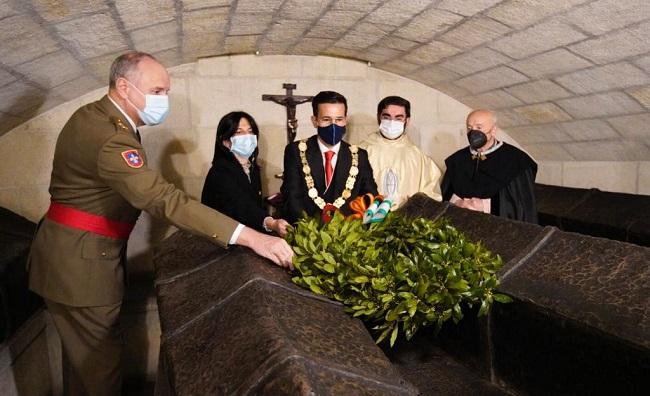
(120, 126)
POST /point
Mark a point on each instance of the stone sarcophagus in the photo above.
(619, 216)
(579, 323)
(234, 324)
(17, 303)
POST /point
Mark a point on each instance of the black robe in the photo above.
(228, 190)
(506, 176)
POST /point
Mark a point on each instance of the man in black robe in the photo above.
(489, 175)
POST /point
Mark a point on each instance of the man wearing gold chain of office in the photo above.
(324, 169)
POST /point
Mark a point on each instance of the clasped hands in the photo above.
(477, 204)
(470, 203)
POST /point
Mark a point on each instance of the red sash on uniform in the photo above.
(85, 221)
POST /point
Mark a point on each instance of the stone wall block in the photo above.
(604, 15)
(396, 13)
(491, 79)
(42, 73)
(205, 21)
(430, 53)
(475, 31)
(616, 45)
(427, 24)
(23, 40)
(249, 23)
(513, 14)
(609, 150)
(599, 173)
(644, 178)
(67, 9)
(538, 133)
(156, 38)
(466, 7)
(641, 94)
(550, 63)
(474, 61)
(538, 91)
(264, 66)
(588, 130)
(548, 172)
(599, 105)
(604, 78)
(539, 38)
(492, 100)
(93, 35)
(19, 98)
(543, 113)
(142, 13)
(331, 68)
(631, 126)
(267, 7)
(301, 10)
(549, 152)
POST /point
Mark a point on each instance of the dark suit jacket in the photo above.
(294, 188)
(228, 190)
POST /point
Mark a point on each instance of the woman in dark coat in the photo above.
(233, 185)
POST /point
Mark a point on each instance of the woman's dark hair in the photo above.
(228, 127)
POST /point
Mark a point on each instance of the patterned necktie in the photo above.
(328, 167)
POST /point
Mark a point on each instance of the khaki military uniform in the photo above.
(100, 168)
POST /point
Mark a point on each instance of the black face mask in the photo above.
(477, 139)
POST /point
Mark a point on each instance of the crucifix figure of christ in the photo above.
(290, 101)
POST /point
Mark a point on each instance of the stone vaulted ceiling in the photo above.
(570, 78)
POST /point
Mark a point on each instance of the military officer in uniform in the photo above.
(100, 182)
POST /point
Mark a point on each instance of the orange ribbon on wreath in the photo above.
(361, 204)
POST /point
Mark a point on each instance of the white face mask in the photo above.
(391, 129)
(243, 145)
(156, 107)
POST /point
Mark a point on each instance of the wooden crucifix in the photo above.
(290, 101)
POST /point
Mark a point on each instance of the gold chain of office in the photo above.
(309, 180)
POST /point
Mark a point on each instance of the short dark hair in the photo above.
(228, 127)
(395, 101)
(125, 65)
(328, 97)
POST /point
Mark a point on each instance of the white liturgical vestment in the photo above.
(401, 169)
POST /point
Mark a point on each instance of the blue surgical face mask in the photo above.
(331, 134)
(156, 107)
(243, 145)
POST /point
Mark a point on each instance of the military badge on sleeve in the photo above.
(132, 158)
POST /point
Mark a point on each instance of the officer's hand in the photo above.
(273, 248)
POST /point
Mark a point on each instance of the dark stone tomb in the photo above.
(579, 323)
(17, 303)
(232, 323)
(618, 216)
